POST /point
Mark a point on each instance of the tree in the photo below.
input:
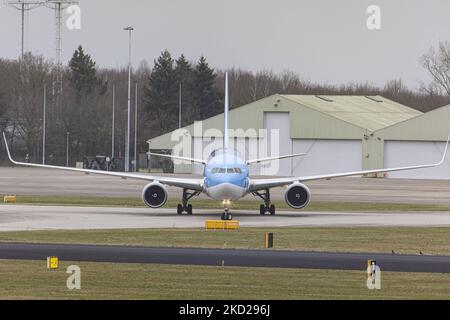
(82, 116)
(184, 73)
(28, 96)
(160, 97)
(437, 63)
(83, 73)
(206, 98)
(3, 110)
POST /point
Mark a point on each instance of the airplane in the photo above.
(226, 178)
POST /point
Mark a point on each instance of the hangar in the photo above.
(417, 140)
(337, 133)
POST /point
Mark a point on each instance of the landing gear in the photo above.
(226, 215)
(272, 209)
(265, 208)
(185, 207)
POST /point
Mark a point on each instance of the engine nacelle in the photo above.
(297, 196)
(154, 195)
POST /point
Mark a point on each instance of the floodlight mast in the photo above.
(59, 6)
(23, 5)
(127, 138)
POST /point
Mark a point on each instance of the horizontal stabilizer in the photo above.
(275, 158)
(177, 157)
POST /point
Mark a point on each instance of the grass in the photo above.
(242, 204)
(405, 240)
(31, 280)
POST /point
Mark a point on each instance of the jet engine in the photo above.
(297, 195)
(154, 195)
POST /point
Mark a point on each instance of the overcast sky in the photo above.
(323, 41)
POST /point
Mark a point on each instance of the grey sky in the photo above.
(323, 41)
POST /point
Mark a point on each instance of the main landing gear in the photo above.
(185, 207)
(265, 208)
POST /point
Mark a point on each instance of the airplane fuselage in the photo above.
(226, 176)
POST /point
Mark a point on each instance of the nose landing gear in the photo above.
(226, 215)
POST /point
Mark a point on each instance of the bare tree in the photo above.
(437, 63)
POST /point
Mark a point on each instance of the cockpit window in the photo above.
(226, 170)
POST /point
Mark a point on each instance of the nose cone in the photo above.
(226, 191)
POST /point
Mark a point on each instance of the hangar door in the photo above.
(326, 156)
(277, 142)
(409, 153)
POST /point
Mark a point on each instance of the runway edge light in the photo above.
(52, 263)
(370, 267)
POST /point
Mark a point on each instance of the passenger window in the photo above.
(214, 170)
(222, 170)
(237, 170)
(230, 170)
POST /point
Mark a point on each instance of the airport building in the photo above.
(338, 133)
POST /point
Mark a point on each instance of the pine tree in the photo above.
(205, 96)
(83, 74)
(161, 96)
(82, 117)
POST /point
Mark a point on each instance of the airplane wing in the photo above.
(259, 184)
(188, 183)
(275, 158)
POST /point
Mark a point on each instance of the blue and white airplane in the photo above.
(226, 178)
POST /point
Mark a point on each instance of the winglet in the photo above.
(7, 148)
(445, 152)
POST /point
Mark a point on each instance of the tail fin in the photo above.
(225, 115)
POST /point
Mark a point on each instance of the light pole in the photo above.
(113, 118)
(127, 140)
(135, 126)
(43, 124)
(67, 148)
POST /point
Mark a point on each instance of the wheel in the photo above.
(189, 209)
(262, 209)
(222, 217)
(272, 209)
(179, 209)
(230, 216)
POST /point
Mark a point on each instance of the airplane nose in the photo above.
(226, 190)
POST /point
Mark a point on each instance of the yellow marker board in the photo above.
(222, 224)
(7, 199)
(52, 263)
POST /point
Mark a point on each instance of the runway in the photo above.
(28, 217)
(225, 257)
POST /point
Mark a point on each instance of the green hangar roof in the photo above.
(368, 112)
(311, 116)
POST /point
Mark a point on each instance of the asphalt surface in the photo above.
(27, 217)
(34, 181)
(226, 257)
